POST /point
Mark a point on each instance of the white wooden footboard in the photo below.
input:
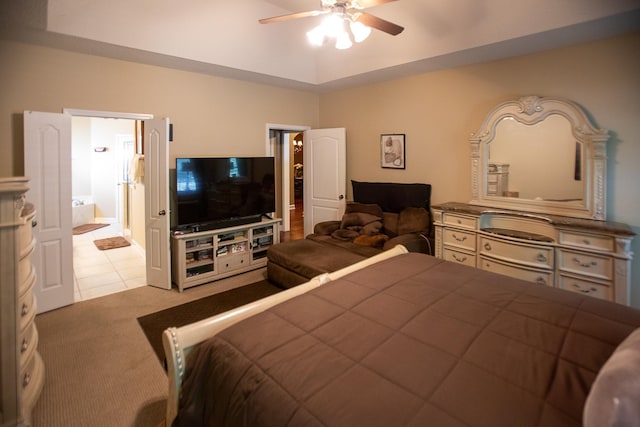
(178, 342)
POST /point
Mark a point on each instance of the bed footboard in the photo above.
(177, 342)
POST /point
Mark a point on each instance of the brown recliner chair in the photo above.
(381, 216)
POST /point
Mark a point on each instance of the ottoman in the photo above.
(297, 261)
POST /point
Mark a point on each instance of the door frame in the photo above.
(75, 112)
(270, 150)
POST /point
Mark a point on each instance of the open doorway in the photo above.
(286, 144)
(104, 194)
(296, 215)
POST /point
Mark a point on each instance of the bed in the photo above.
(410, 340)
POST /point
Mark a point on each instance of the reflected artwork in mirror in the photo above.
(540, 154)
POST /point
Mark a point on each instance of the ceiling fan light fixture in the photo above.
(360, 31)
(333, 25)
(316, 36)
(343, 41)
(345, 22)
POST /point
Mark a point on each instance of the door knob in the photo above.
(162, 212)
(340, 197)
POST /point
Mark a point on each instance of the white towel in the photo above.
(136, 168)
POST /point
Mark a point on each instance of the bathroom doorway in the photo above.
(104, 194)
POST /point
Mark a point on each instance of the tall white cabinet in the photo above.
(22, 369)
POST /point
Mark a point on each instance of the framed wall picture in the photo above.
(392, 150)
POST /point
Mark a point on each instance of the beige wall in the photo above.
(211, 116)
(438, 111)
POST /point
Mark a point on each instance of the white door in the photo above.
(325, 165)
(47, 162)
(156, 197)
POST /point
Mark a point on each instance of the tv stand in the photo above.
(206, 255)
(218, 224)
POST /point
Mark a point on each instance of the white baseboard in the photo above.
(137, 247)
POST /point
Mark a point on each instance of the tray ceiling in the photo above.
(224, 37)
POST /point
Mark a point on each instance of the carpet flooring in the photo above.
(155, 323)
(100, 370)
(85, 228)
(111, 243)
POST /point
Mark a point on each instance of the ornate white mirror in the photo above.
(540, 154)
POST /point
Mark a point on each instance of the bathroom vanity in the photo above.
(549, 227)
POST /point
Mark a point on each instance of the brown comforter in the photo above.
(411, 341)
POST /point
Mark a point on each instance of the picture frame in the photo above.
(392, 150)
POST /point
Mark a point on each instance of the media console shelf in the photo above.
(205, 256)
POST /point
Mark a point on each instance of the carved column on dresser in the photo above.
(22, 369)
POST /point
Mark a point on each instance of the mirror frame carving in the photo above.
(530, 110)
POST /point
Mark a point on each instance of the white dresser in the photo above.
(22, 369)
(580, 255)
(538, 205)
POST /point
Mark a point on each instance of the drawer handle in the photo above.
(24, 346)
(584, 291)
(463, 259)
(25, 309)
(26, 379)
(487, 246)
(459, 239)
(541, 281)
(459, 221)
(585, 264)
(586, 242)
(542, 258)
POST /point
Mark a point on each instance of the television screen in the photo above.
(214, 189)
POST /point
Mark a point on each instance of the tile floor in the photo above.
(98, 273)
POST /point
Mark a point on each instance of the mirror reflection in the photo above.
(542, 161)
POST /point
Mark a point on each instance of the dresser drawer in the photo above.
(26, 310)
(585, 287)
(540, 277)
(532, 256)
(587, 264)
(27, 343)
(32, 380)
(459, 257)
(459, 220)
(233, 262)
(24, 263)
(25, 232)
(459, 239)
(596, 242)
(28, 284)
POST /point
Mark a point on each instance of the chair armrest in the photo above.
(414, 242)
(326, 227)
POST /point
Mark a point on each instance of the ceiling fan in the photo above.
(342, 11)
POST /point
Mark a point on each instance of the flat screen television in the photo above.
(218, 192)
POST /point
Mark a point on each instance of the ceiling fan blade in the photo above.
(292, 16)
(379, 24)
(363, 4)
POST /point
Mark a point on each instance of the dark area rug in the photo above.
(155, 323)
(111, 243)
(85, 228)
